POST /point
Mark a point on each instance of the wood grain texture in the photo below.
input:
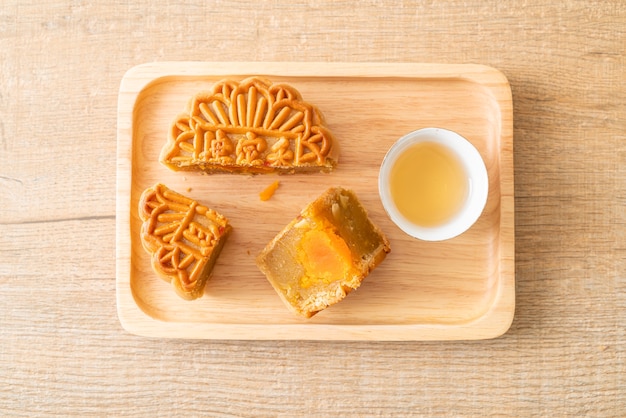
(62, 350)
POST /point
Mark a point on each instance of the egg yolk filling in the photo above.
(325, 257)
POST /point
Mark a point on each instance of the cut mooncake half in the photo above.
(250, 126)
(324, 253)
(183, 237)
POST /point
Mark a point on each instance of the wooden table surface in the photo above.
(62, 349)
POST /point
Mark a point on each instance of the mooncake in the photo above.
(324, 253)
(183, 238)
(250, 126)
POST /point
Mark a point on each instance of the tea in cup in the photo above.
(433, 184)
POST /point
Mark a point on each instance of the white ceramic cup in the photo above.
(477, 186)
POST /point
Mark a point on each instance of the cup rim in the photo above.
(478, 185)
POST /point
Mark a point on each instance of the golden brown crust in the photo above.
(251, 126)
(183, 237)
(338, 213)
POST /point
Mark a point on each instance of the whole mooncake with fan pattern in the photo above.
(250, 126)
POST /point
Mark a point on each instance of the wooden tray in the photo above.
(463, 288)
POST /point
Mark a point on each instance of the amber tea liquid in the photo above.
(428, 184)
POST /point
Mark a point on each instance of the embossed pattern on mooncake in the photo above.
(183, 237)
(250, 126)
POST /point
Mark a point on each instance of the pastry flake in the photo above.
(250, 126)
(183, 237)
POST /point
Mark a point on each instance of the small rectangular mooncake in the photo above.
(324, 253)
